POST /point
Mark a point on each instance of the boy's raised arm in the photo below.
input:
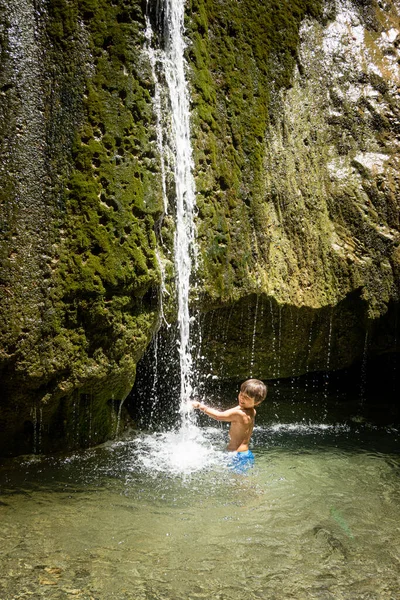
(218, 415)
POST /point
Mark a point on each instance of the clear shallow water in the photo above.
(163, 517)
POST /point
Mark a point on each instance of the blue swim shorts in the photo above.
(240, 462)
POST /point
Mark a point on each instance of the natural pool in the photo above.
(162, 517)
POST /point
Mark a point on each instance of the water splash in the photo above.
(179, 453)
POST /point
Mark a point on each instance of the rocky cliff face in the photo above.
(301, 238)
(81, 193)
(295, 133)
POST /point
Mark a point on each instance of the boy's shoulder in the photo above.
(244, 413)
(235, 411)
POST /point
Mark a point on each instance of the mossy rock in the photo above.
(88, 304)
(241, 54)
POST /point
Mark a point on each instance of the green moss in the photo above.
(105, 194)
(242, 53)
(113, 191)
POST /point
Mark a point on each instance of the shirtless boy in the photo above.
(241, 417)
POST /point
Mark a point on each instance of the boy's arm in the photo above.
(219, 415)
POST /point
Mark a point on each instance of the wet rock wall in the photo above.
(297, 175)
(80, 197)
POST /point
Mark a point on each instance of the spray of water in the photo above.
(180, 453)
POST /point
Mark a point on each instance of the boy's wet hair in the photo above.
(254, 388)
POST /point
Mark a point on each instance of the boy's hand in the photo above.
(195, 404)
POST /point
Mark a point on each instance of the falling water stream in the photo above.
(174, 70)
(171, 104)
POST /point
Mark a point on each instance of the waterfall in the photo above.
(172, 65)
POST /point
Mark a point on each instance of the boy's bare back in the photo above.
(241, 429)
(242, 416)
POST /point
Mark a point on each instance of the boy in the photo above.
(241, 417)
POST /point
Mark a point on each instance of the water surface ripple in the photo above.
(162, 517)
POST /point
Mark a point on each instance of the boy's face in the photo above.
(245, 401)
